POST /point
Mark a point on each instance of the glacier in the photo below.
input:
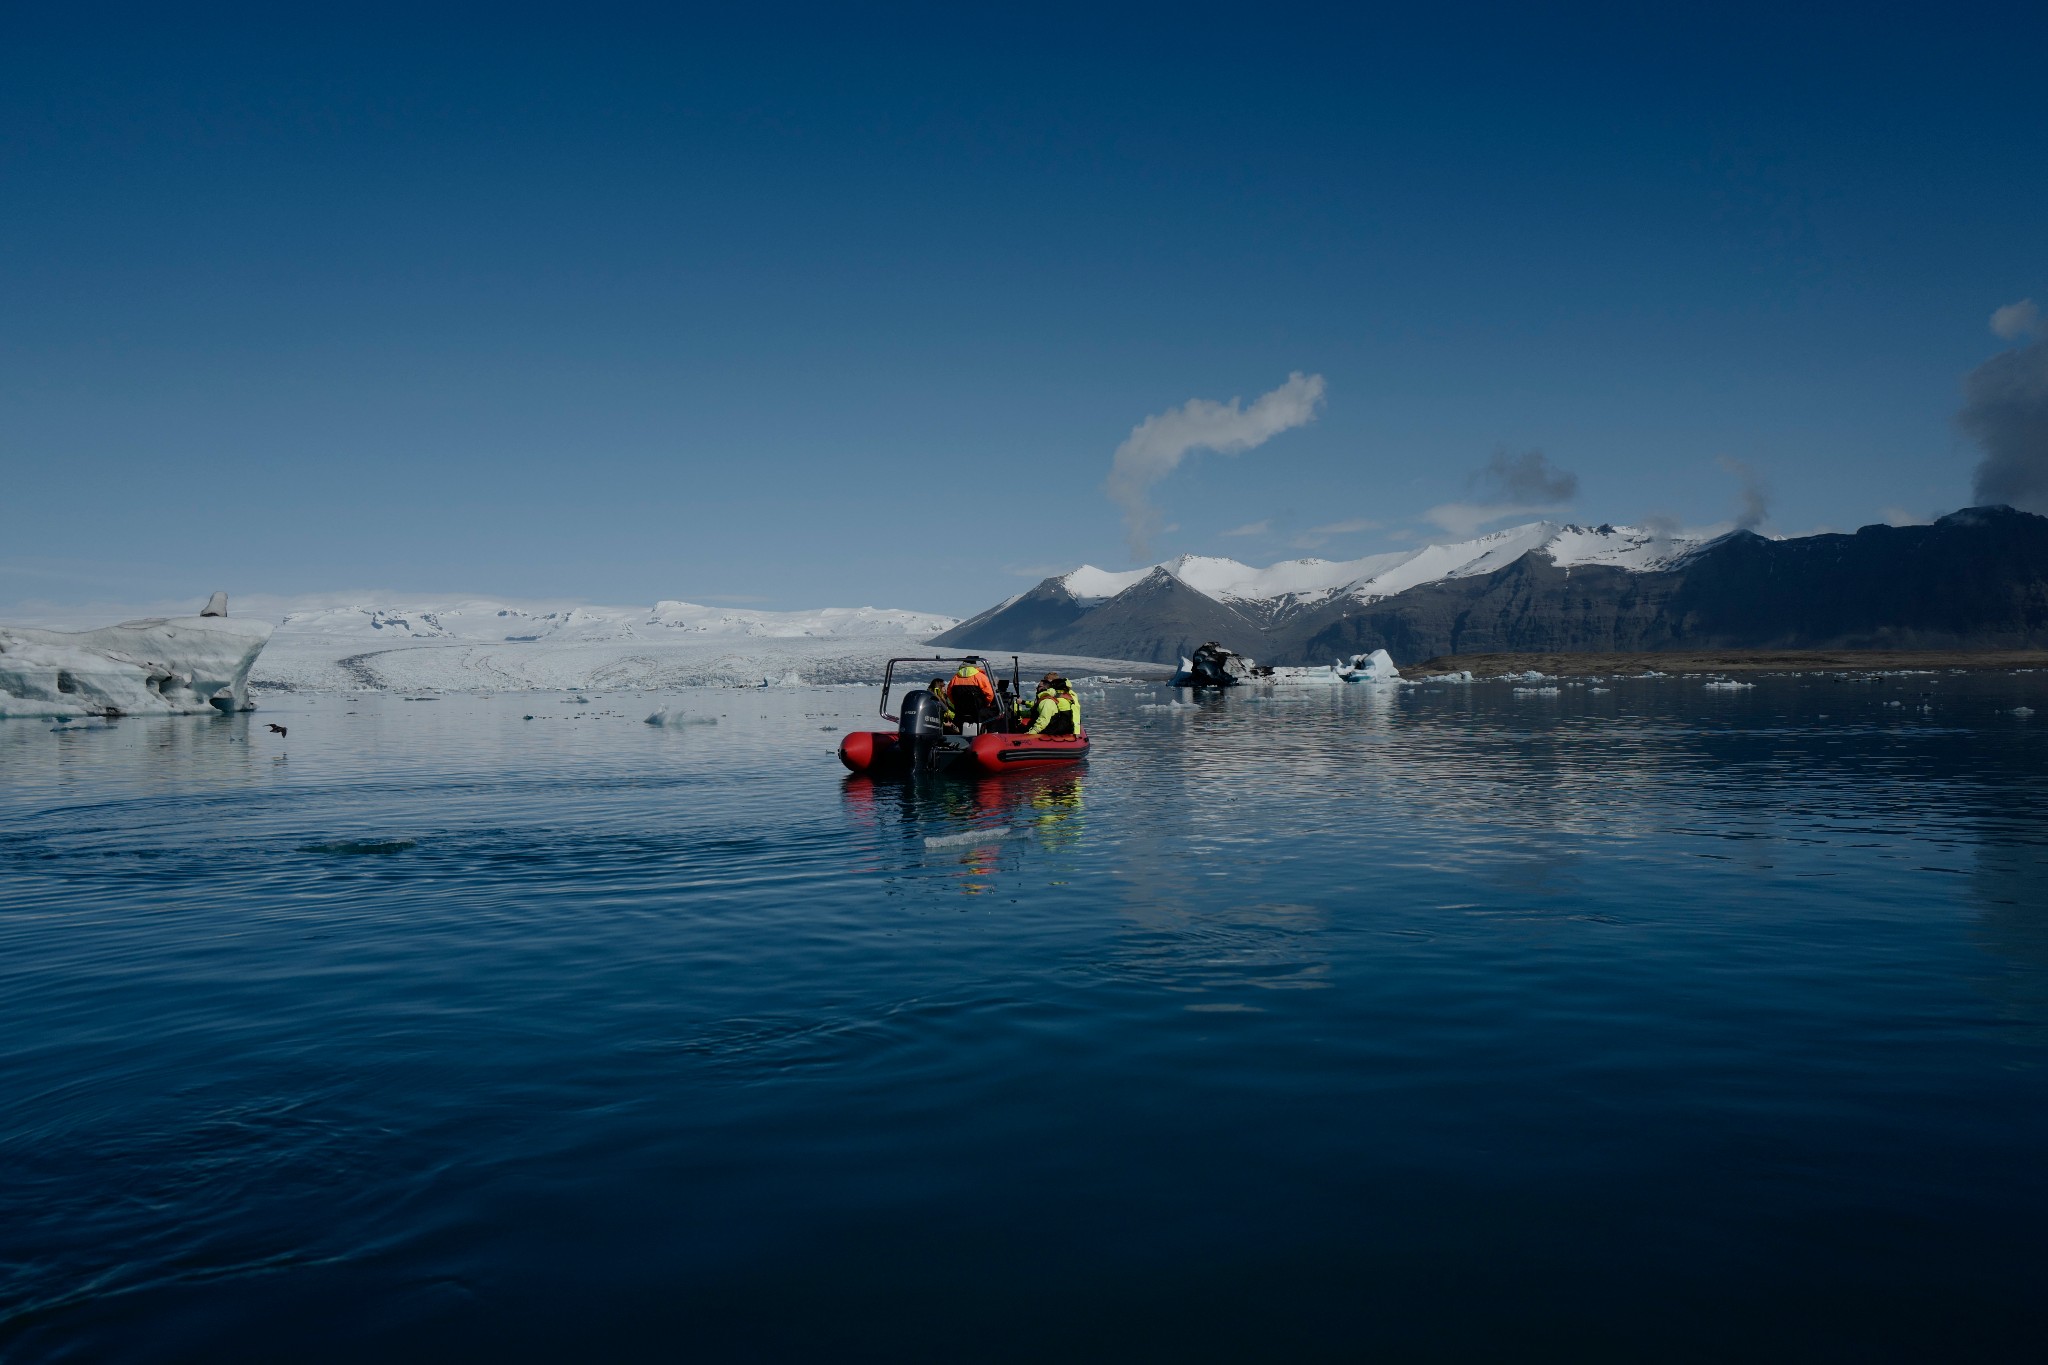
(420, 644)
(385, 641)
(160, 665)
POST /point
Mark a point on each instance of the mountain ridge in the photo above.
(1977, 578)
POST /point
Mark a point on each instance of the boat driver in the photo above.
(972, 694)
(1059, 713)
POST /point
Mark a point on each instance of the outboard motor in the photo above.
(922, 727)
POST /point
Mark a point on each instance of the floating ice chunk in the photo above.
(181, 665)
(1292, 676)
(1538, 691)
(1376, 668)
(1597, 691)
(1727, 685)
(2023, 711)
(1530, 676)
(1173, 706)
(673, 718)
(969, 839)
(1463, 675)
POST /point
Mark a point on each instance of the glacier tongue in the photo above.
(427, 644)
(179, 665)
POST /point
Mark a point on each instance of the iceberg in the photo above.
(162, 665)
(1376, 667)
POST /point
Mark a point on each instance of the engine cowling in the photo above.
(921, 726)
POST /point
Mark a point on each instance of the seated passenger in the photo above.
(971, 693)
(947, 720)
(1058, 711)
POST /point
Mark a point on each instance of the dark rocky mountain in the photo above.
(1976, 579)
(1158, 618)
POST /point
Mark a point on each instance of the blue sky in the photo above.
(855, 306)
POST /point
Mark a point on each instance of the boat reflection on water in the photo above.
(974, 824)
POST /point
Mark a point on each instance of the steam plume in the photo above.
(1157, 445)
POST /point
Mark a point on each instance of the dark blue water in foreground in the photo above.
(1653, 1024)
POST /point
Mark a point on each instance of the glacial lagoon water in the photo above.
(1644, 1023)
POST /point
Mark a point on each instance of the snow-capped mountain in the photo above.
(1977, 578)
(1298, 583)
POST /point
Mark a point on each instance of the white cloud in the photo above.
(2016, 320)
(1262, 527)
(1463, 519)
(1315, 536)
(1157, 445)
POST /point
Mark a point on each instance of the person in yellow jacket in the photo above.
(947, 720)
(1058, 712)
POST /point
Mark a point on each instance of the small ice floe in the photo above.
(1538, 691)
(1170, 706)
(969, 839)
(1463, 675)
(1530, 676)
(2023, 711)
(1728, 685)
(672, 718)
(1597, 691)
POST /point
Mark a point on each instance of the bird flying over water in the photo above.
(275, 726)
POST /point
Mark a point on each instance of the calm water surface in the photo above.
(1647, 1024)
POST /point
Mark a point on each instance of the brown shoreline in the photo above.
(1730, 661)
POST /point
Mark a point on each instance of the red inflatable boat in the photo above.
(920, 743)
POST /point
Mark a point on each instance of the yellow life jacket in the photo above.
(1058, 714)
